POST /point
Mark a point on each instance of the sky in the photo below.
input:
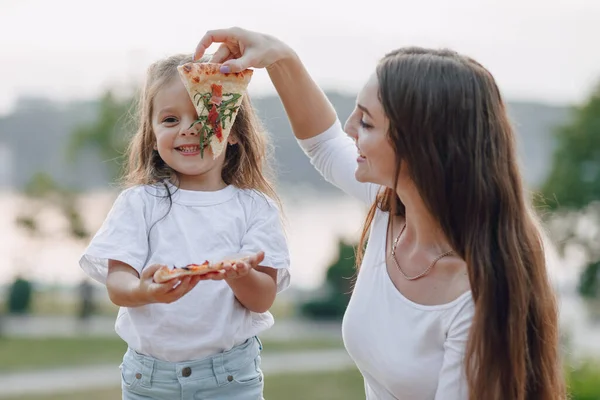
(538, 50)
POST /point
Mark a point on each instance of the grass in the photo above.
(342, 385)
(20, 354)
(60, 303)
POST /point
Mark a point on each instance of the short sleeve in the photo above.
(265, 233)
(123, 236)
(333, 154)
(452, 382)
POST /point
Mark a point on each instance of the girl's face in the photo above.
(178, 144)
(368, 126)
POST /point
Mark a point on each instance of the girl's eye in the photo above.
(170, 120)
(365, 125)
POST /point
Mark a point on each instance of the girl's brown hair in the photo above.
(449, 125)
(247, 163)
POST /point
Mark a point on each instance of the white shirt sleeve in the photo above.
(333, 154)
(123, 236)
(452, 383)
(265, 233)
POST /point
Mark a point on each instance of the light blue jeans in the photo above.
(234, 374)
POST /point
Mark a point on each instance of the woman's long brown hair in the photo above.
(449, 125)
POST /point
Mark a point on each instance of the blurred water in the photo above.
(314, 222)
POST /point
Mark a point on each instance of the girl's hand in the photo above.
(237, 270)
(167, 292)
(241, 49)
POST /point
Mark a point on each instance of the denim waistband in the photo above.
(215, 365)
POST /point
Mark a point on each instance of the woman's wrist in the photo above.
(287, 58)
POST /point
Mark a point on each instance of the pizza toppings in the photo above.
(217, 98)
(165, 274)
(217, 94)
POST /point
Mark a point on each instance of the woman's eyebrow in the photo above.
(364, 109)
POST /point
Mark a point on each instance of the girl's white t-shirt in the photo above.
(142, 229)
(404, 350)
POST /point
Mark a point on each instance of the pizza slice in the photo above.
(165, 274)
(217, 98)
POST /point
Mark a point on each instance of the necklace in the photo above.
(412, 278)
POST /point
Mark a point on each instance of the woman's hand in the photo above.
(241, 49)
(306, 106)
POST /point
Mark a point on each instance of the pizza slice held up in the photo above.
(217, 98)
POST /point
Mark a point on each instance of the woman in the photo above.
(452, 299)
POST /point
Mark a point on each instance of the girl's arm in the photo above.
(253, 285)
(256, 290)
(127, 289)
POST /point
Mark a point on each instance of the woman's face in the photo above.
(368, 126)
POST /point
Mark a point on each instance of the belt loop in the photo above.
(219, 369)
(147, 371)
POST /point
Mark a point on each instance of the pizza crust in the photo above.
(165, 274)
(200, 80)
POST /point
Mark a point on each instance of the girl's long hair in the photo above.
(449, 125)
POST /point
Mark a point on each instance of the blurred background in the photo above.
(69, 71)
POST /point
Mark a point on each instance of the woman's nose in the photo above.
(350, 128)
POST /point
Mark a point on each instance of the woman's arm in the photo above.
(452, 381)
(310, 113)
(307, 107)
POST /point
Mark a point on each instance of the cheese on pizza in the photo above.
(217, 98)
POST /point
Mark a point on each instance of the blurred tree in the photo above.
(105, 135)
(573, 186)
(108, 134)
(338, 286)
(19, 296)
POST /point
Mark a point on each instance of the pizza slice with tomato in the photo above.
(217, 98)
(165, 274)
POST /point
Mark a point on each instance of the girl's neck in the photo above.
(201, 183)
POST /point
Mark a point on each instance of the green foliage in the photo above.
(107, 135)
(43, 192)
(338, 284)
(584, 381)
(572, 190)
(574, 180)
(588, 281)
(19, 296)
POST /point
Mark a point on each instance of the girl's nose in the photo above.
(190, 130)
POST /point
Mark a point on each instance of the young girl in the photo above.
(195, 337)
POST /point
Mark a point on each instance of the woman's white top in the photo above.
(404, 350)
(142, 229)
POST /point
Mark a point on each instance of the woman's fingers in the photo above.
(222, 54)
(215, 36)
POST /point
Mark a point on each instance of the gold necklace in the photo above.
(412, 278)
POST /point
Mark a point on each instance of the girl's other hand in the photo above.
(237, 270)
